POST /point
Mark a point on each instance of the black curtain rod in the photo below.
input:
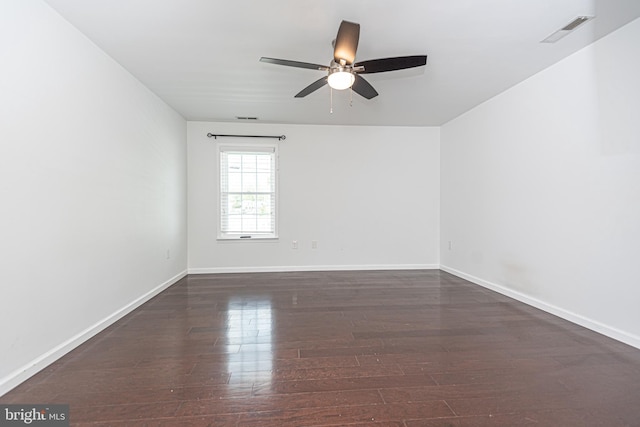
(280, 137)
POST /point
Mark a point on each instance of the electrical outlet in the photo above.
(314, 244)
(294, 244)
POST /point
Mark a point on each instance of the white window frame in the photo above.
(246, 148)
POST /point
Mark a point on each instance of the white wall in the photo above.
(368, 195)
(92, 190)
(541, 189)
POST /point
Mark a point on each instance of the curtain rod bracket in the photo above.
(215, 136)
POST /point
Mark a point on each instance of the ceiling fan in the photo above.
(343, 72)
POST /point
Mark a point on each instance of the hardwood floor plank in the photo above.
(346, 415)
(135, 411)
(282, 402)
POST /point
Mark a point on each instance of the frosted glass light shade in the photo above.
(341, 80)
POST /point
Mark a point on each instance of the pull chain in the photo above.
(351, 96)
(331, 109)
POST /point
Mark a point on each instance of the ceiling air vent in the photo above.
(571, 26)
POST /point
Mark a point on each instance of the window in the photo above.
(248, 176)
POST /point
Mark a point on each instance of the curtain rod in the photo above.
(279, 137)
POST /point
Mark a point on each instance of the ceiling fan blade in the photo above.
(346, 42)
(296, 64)
(312, 87)
(363, 88)
(391, 64)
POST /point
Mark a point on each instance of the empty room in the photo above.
(286, 213)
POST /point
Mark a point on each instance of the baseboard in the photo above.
(25, 372)
(578, 319)
(283, 269)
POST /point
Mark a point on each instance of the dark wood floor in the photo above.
(394, 348)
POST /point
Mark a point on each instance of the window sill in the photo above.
(247, 239)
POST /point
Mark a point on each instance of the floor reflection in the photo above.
(250, 324)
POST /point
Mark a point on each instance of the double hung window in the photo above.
(248, 183)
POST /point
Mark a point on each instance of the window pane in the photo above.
(234, 182)
(248, 204)
(249, 162)
(263, 204)
(234, 223)
(263, 182)
(264, 223)
(235, 162)
(234, 204)
(249, 182)
(263, 163)
(248, 223)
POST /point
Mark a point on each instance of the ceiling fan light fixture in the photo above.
(340, 79)
(343, 72)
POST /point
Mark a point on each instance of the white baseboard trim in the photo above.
(284, 269)
(578, 319)
(25, 372)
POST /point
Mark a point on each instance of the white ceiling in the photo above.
(202, 56)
